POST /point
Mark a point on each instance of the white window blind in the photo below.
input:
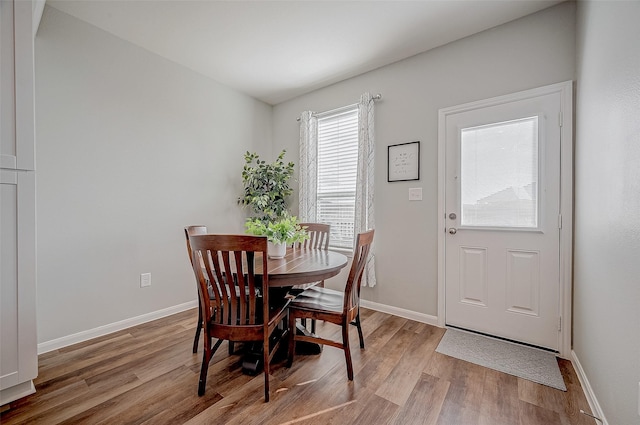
(337, 172)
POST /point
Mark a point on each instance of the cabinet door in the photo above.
(18, 328)
(18, 351)
(17, 135)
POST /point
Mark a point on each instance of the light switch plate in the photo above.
(415, 194)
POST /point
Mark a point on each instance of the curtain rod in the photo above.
(374, 98)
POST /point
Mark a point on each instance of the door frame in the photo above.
(565, 221)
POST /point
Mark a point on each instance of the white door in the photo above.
(502, 201)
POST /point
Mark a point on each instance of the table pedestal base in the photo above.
(252, 359)
(304, 347)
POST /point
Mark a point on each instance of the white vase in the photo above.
(276, 250)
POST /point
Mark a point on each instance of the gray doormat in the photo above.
(524, 362)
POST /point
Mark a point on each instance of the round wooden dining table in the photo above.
(303, 265)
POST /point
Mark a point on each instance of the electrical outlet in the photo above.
(145, 280)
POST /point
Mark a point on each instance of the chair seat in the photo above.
(317, 298)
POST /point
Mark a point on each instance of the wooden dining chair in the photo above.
(192, 231)
(340, 308)
(319, 234)
(239, 309)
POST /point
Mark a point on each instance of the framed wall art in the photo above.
(403, 162)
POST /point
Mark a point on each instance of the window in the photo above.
(337, 171)
(499, 184)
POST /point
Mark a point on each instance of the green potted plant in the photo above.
(280, 233)
(266, 189)
(266, 186)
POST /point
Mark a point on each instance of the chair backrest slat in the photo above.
(228, 261)
(318, 235)
(354, 281)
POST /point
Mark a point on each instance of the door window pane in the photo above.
(499, 174)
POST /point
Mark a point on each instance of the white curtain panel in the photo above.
(308, 168)
(365, 217)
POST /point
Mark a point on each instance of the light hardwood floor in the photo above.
(148, 375)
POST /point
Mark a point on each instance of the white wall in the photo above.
(606, 332)
(130, 149)
(527, 53)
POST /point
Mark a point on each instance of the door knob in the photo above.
(453, 231)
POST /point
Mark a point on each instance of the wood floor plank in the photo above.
(376, 341)
(574, 399)
(541, 395)
(377, 369)
(74, 406)
(235, 406)
(453, 413)
(440, 366)
(81, 363)
(465, 386)
(40, 403)
(334, 415)
(404, 376)
(330, 390)
(425, 402)
(148, 375)
(135, 403)
(463, 402)
(532, 415)
(499, 399)
(372, 410)
(85, 355)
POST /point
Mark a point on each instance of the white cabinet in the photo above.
(18, 328)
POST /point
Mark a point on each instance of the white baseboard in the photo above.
(65, 341)
(396, 311)
(588, 391)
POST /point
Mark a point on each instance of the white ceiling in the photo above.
(276, 50)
